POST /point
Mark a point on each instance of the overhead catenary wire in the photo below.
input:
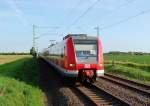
(124, 4)
(75, 7)
(71, 10)
(83, 14)
(45, 34)
(119, 7)
(125, 20)
(46, 27)
(89, 8)
(35, 37)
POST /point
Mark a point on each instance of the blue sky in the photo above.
(18, 16)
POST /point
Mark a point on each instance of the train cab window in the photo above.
(82, 53)
(86, 50)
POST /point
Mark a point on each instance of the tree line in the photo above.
(130, 53)
(14, 53)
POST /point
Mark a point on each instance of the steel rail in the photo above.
(142, 88)
(100, 97)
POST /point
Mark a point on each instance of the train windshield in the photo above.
(86, 49)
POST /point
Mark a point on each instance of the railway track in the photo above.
(99, 97)
(138, 87)
(94, 96)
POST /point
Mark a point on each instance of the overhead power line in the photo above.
(48, 27)
(75, 7)
(117, 8)
(44, 34)
(125, 20)
(84, 13)
(71, 11)
(124, 4)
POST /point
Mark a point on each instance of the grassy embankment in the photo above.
(136, 67)
(19, 82)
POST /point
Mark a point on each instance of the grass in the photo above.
(16, 93)
(19, 83)
(145, 67)
(141, 59)
(129, 72)
(136, 67)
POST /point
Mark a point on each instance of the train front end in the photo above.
(88, 57)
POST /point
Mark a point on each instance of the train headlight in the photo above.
(100, 65)
(71, 65)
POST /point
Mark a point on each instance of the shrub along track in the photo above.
(130, 91)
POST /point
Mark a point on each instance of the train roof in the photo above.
(80, 37)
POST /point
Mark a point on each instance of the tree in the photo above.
(33, 52)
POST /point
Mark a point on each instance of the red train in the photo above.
(78, 56)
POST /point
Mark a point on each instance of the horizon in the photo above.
(103, 52)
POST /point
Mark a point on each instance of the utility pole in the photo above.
(97, 29)
(37, 37)
(33, 50)
(33, 36)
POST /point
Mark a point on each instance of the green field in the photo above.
(135, 67)
(19, 82)
(141, 59)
